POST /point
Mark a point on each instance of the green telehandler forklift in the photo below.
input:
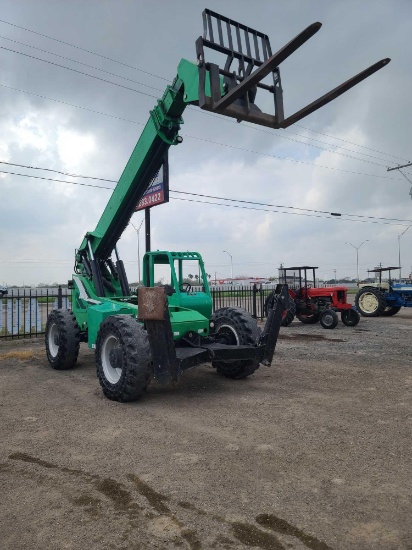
(167, 329)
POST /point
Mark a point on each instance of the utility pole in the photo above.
(138, 244)
(231, 264)
(399, 250)
(405, 176)
(357, 256)
(335, 275)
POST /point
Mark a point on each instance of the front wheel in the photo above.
(62, 339)
(236, 327)
(123, 358)
(350, 317)
(329, 319)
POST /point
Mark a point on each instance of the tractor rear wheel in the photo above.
(308, 319)
(350, 317)
(62, 339)
(329, 318)
(123, 358)
(370, 302)
(391, 310)
(288, 315)
(235, 326)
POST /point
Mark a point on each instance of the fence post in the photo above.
(261, 302)
(254, 305)
(59, 297)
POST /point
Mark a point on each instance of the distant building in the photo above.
(241, 281)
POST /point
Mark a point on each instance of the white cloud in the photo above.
(74, 148)
(45, 221)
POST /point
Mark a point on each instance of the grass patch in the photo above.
(352, 290)
(19, 355)
(46, 300)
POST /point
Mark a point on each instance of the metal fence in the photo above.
(23, 313)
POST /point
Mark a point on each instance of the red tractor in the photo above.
(311, 304)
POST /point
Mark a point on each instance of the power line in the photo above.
(350, 142)
(290, 159)
(405, 176)
(194, 194)
(282, 212)
(59, 181)
(78, 72)
(56, 172)
(157, 89)
(193, 137)
(72, 105)
(289, 207)
(205, 112)
(81, 63)
(203, 139)
(212, 203)
(82, 49)
(317, 146)
(165, 79)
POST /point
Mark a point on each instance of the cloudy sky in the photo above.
(335, 160)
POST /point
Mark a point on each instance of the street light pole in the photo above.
(399, 250)
(357, 256)
(138, 245)
(231, 264)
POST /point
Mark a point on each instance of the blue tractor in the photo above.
(383, 297)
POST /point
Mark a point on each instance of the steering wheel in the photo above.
(185, 287)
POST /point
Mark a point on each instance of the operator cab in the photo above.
(378, 273)
(298, 279)
(176, 271)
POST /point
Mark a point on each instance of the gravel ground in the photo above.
(311, 453)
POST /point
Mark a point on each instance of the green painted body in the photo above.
(189, 311)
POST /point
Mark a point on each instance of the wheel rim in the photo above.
(53, 339)
(229, 334)
(111, 373)
(368, 302)
(327, 319)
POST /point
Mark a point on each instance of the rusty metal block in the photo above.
(152, 304)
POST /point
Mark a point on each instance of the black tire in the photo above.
(123, 358)
(235, 326)
(288, 315)
(62, 339)
(329, 319)
(308, 319)
(391, 310)
(350, 317)
(370, 302)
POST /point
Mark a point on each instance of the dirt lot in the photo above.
(314, 452)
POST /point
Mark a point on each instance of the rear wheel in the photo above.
(350, 317)
(370, 302)
(308, 319)
(123, 358)
(391, 310)
(329, 319)
(236, 327)
(62, 339)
